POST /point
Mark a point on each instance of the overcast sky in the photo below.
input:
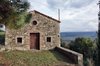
(76, 15)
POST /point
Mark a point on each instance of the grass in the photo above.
(29, 58)
(2, 34)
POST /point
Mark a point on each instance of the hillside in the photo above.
(30, 58)
(73, 35)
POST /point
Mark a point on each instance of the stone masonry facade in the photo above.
(47, 27)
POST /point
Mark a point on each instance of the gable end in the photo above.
(47, 16)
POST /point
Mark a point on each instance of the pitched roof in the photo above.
(46, 16)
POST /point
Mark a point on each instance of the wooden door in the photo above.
(34, 41)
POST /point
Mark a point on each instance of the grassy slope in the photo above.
(2, 34)
(28, 58)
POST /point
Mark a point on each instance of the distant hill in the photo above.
(73, 35)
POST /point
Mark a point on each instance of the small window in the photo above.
(19, 40)
(34, 22)
(48, 39)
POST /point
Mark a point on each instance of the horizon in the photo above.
(81, 31)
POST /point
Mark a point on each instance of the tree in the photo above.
(84, 46)
(10, 10)
(98, 44)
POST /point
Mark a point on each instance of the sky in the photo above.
(75, 15)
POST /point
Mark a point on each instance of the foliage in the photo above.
(85, 46)
(95, 57)
(11, 12)
(28, 17)
(98, 45)
(19, 21)
(63, 44)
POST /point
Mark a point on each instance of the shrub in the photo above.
(84, 46)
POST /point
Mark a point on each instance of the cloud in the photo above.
(76, 15)
(55, 4)
(75, 25)
(78, 3)
(81, 19)
(65, 4)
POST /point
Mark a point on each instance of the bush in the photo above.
(84, 46)
(63, 44)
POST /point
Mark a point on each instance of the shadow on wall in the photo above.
(62, 58)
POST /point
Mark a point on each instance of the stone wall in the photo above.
(46, 26)
(72, 55)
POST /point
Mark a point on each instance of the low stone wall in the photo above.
(74, 56)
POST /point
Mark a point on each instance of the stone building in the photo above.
(41, 33)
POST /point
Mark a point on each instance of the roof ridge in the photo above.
(46, 15)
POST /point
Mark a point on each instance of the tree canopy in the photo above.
(85, 46)
(13, 11)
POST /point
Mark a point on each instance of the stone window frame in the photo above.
(22, 40)
(33, 24)
(47, 37)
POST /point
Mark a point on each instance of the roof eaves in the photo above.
(47, 16)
